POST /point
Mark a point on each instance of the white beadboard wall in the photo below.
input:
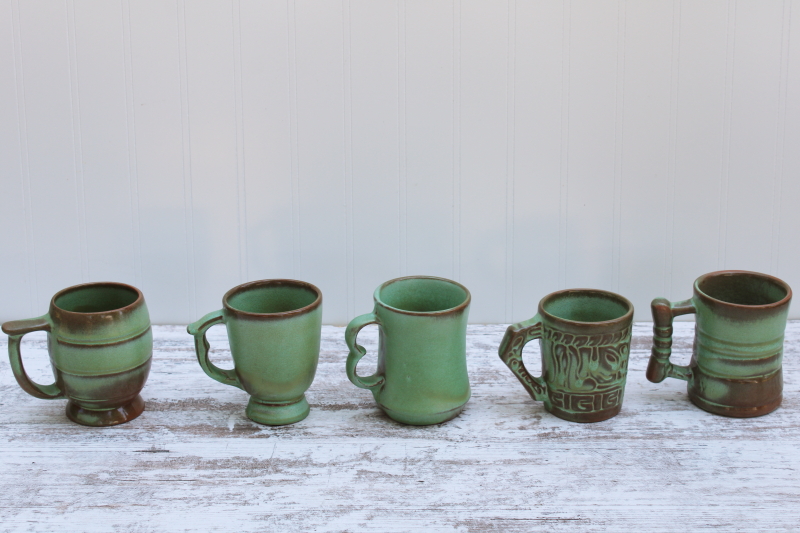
(518, 146)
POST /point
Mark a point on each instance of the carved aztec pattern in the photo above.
(584, 363)
(586, 403)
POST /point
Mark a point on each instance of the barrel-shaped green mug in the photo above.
(100, 346)
(736, 364)
(422, 355)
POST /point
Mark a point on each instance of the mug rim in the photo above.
(628, 316)
(274, 282)
(721, 273)
(460, 307)
(116, 284)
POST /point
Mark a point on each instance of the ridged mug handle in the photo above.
(514, 341)
(664, 312)
(198, 331)
(15, 331)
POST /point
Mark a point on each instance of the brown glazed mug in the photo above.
(737, 355)
(100, 346)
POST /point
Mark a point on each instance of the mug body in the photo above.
(585, 345)
(274, 329)
(422, 350)
(738, 344)
(100, 347)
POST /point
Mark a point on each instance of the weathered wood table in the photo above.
(194, 462)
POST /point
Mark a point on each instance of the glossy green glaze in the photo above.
(422, 357)
(735, 368)
(585, 340)
(100, 346)
(274, 329)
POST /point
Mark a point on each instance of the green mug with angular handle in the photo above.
(100, 346)
(736, 364)
(585, 337)
(274, 330)
(422, 354)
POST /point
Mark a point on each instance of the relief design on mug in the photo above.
(587, 372)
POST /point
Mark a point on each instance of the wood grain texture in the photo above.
(193, 461)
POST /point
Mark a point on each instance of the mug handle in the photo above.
(15, 331)
(514, 341)
(659, 367)
(357, 352)
(198, 331)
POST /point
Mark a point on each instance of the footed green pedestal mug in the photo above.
(100, 346)
(422, 353)
(274, 329)
(735, 368)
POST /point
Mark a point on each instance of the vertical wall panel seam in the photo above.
(293, 124)
(511, 72)
(75, 99)
(726, 136)
(241, 177)
(130, 123)
(780, 135)
(672, 161)
(564, 146)
(619, 113)
(22, 122)
(347, 82)
(402, 158)
(456, 183)
(186, 142)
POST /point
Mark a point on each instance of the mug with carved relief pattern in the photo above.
(585, 337)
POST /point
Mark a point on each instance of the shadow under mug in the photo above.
(274, 330)
(422, 354)
(737, 354)
(100, 345)
(585, 337)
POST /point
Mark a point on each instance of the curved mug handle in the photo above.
(357, 352)
(198, 331)
(514, 341)
(659, 366)
(15, 331)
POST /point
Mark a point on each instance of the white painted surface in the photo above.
(519, 147)
(193, 462)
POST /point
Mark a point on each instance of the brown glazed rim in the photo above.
(137, 302)
(460, 307)
(628, 316)
(274, 282)
(720, 273)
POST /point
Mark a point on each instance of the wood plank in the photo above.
(193, 461)
(163, 230)
(375, 184)
(484, 156)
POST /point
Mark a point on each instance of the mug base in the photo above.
(417, 419)
(277, 413)
(107, 417)
(735, 412)
(585, 418)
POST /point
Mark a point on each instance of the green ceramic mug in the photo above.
(585, 337)
(274, 328)
(100, 346)
(422, 354)
(735, 368)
